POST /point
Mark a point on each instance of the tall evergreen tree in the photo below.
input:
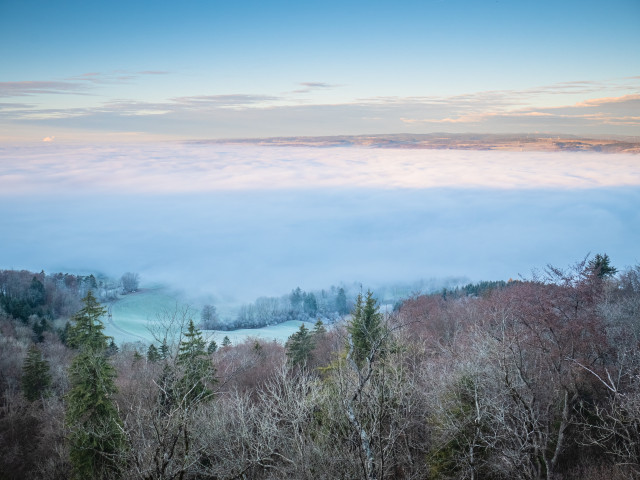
(341, 302)
(152, 353)
(96, 439)
(87, 330)
(366, 329)
(165, 351)
(198, 371)
(601, 266)
(299, 346)
(36, 377)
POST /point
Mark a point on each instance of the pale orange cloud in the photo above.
(48, 139)
(597, 102)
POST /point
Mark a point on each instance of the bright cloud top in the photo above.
(175, 168)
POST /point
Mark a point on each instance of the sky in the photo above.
(88, 71)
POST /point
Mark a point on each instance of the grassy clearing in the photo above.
(131, 314)
(279, 333)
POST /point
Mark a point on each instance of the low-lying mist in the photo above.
(236, 246)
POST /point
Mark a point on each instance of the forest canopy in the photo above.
(531, 379)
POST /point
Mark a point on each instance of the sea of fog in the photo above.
(232, 223)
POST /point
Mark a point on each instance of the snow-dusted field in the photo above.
(133, 314)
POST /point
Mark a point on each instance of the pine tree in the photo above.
(198, 371)
(96, 439)
(226, 342)
(366, 329)
(36, 378)
(213, 346)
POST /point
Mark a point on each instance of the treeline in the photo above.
(534, 379)
(44, 302)
(325, 305)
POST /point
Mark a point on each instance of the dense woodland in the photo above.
(530, 379)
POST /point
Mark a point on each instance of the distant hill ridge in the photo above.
(447, 141)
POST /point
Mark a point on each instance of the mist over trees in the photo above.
(326, 305)
(130, 282)
(528, 379)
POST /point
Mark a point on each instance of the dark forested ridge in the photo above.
(531, 379)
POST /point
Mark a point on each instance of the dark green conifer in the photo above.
(213, 346)
(299, 346)
(601, 266)
(95, 440)
(198, 371)
(87, 330)
(341, 302)
(36, 378)
(226, 342)
(366, 328)
(152, 353)
(165, 352)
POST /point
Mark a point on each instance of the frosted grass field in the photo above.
(132, 315)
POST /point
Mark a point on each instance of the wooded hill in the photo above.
(534, 379)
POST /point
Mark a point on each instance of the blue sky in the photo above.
(176, 70)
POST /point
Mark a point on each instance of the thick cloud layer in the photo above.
(173, 167)
(313, 217)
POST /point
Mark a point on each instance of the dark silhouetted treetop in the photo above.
(341, 302)
(152, 353)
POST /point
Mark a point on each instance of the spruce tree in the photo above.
(152, 353)
(226, 342)
(96, 439)
(198, 371)
(87, 330)
(318, 328)
(601, 266)
(165, 351)
(341, 302)
(299, 346)
(366, 329)
(36, 378)
(213, 346)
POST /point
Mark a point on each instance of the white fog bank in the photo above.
(239, 222)
(183, 168)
